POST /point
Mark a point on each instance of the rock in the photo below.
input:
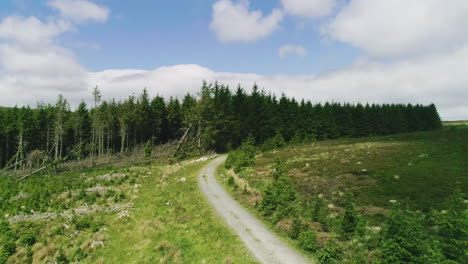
(183, 179)
(375, 229)
(97, 243)
(123, 214)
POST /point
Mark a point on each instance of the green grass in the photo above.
(170, 220)
(173, 224)
(419, 170)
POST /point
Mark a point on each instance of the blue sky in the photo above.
(375, 51)
(160, 33)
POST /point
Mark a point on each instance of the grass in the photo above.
(416, 171)
(248, 197)
(419, 170)
(169, 220)
(173, 224)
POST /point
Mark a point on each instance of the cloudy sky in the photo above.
(324, 50)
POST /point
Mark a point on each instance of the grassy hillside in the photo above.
(372, 176)
(147, 214)
(417, 169)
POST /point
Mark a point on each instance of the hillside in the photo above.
(371, 179)
(135, 214)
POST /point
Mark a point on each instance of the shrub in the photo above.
(330, 253)
(61, 258)
(82, 223)
(404, 240)
(120, 197)
(350, 222)
(28, 239)
(109, 193)
(453, 228)
(279, 168)
(9, 247)
(231, 180)
(79, 254)
(4, 255)
(278, 140)
(308, 240)
(148, 149)
(298, 226)
(242, 158)
(278, 194)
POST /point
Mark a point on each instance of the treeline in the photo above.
(216, 119)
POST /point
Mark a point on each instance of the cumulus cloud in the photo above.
(309, 8)
(234, 22)
(400, 28)
(30, 31)
(32, 65)
(419, 80)
(287, 50)
(80, 11)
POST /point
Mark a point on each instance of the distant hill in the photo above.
(455, 123)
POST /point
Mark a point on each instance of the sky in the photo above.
(376, 51)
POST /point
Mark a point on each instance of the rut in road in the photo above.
(264, 245)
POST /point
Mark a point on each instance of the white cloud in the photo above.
(80, 10)
(309, 8)
(234, 22)
(32, 66)
(439, 79)
(30, 31)
(399, 28)
(286, 50)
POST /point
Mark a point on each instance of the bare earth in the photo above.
(264, 245)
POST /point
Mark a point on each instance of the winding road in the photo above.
(264, 245)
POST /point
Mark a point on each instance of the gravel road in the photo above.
(264, 245)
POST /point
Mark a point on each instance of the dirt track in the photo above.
(264, 245)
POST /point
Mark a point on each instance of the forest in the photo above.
(216, 119)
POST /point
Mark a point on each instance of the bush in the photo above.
(120, 197)
(308, 240)
(9, 247)
(61, 258)
(279, 168)
(330, 253)
(28, 239)
(350, 222)
(404, 240)
(82, 223)
(298, 227)
(231, 180)
(242, 158)
(4, 226)
(278, 194)
(109, 193)
(3, 256)
(453, 228)
(148, 149)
